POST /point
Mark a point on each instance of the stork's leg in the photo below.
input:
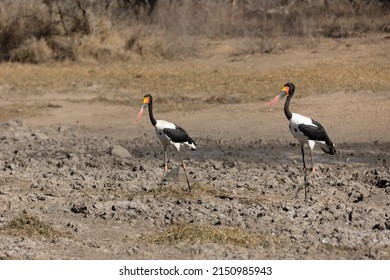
(303, 158)
(305, 181)
(185, 170)
(165, 166)
(313, 169)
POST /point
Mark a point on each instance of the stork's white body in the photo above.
(303, 139)
(164, 138)
(295, 121)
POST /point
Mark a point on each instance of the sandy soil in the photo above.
(73, 156)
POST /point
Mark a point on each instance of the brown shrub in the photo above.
(63, 48)
(32, 51)
(103, 47)
(154, 42)
(21, 21)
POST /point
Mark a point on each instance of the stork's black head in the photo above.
(148, 98)
(289, 88)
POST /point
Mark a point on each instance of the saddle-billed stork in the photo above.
(306, 130)
(169, 134)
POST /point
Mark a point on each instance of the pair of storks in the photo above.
(306, 130)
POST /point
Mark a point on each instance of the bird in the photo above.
(169, 134)
(306, 130)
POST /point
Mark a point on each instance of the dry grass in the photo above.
(15, 110)
(177, 191)
(183, 80)
(31, 226)
(195, 83)
(192, 234)
(242, 195)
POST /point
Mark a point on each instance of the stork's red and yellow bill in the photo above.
(282, 93)
(144, 105)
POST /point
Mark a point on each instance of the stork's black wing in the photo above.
(177, 135)
(315, 132)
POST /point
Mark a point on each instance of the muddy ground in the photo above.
(76, 165)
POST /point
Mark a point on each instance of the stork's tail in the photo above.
(191, 143)
(329, 150)
(328, 147)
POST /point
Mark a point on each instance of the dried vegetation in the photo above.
(39, 31)
(31, 226)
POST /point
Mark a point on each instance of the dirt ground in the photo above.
(73, 157)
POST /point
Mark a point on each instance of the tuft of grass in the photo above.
(178, 191)
(31, 226)
(190, 233)
(244, 196)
